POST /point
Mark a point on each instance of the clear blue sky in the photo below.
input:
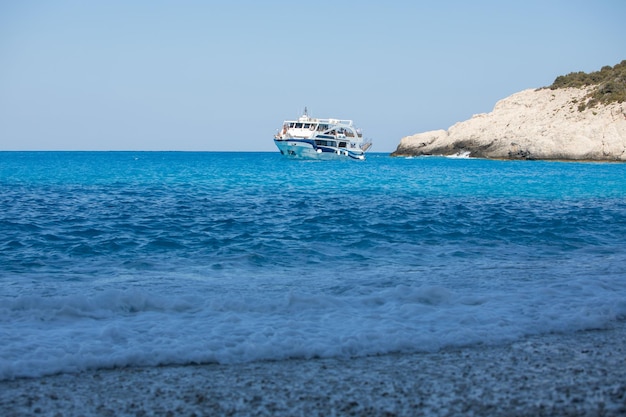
(223, 75)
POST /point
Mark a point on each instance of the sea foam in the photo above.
(133, 328)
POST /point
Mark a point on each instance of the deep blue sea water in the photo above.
(152, 258)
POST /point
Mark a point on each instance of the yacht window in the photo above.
(325, 143)
(298, 125)
(342, 144)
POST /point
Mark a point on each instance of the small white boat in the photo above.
(311, 138)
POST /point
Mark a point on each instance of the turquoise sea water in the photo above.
(151, 258)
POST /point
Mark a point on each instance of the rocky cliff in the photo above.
(532, 124)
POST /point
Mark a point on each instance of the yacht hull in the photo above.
(307, 149)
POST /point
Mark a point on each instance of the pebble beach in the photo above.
(575, 374)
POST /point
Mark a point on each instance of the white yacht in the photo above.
(311, 138)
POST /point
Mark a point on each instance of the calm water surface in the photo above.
(149, 258)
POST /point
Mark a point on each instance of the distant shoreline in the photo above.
(535, 124)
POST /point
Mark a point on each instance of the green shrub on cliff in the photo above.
(609, 85)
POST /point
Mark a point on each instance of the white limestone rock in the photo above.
(532, 124)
